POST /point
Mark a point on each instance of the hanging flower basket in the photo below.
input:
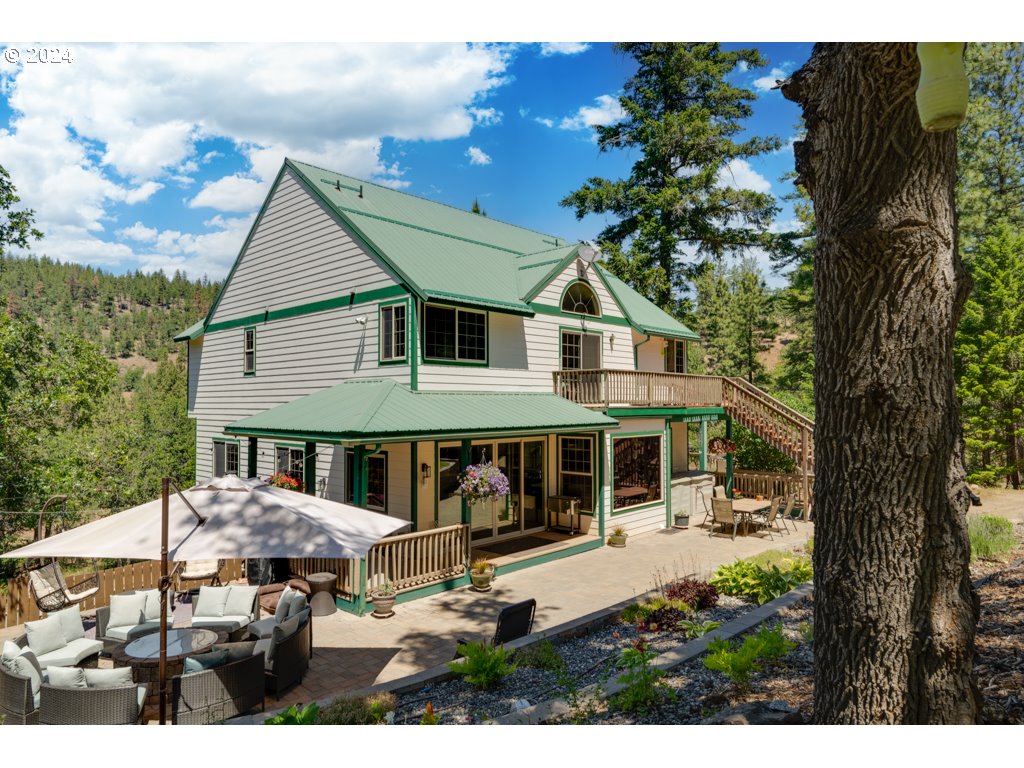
(483, 482)
(282, 480)
(721, 446)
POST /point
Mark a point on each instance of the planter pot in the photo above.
(617, 541)
(482, 581)
(682, 521)
(383, 605)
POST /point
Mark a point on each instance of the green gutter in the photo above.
(412, 346)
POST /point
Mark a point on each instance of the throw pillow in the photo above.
(281, 613)
(45, 635)
(211, 601)
(127, 610)
(287, 628)
(203, 661)
(66, 677)
(109, 678)
(11, 650)
(296, 604)
(27, 665)
(267, 646)
(152, 609)
(71, 623)
(240, 600)
(237, 651)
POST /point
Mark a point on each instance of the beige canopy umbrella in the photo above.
(225, 517)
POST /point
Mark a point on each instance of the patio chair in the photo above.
(723, 514)
(707, 509)
(514, 621)
(52, 593)
(771, 518)
(719, 492)
(199, 570)
(788, 511)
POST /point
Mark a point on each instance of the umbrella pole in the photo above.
(164, 512)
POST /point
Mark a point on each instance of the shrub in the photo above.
(542, 655)
(738, 660)
(695, 629)
(990, 536)
(656, 614)
(748, 579)
(358, 710)
(295, 716)
(483, 665)
(644, 690)
(700, 595)
(429, 716)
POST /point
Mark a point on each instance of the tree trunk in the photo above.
(1012, 456)
(894, 610)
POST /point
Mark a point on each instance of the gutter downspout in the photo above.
(636, 348)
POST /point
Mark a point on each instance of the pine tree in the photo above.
(682, 116)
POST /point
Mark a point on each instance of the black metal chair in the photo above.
(514, 621)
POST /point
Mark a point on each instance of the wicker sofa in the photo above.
(288, 659)
(91, 706)
(148, 621)
(17, 704)
(214, 695)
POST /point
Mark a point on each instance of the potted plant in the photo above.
(383, 600)
(481, 573)
(283, 480)
(482, 482)
(681, 519)
(617, 538)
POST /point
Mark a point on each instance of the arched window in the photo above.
(580, 299)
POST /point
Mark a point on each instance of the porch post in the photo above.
(414, 483)
(728, 458)
(309, 468)
(252, 469)
(703, 466)
(601, 469)
(464, 458)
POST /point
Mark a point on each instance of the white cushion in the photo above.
(133, 630)
(66, 677)
(281, 612)
(266, 645)
(127, 610)
(152, 609)
(11, 649)
(72, 653)
(108, 678)
(240, 600)
(45, 635)
(297, 604)
(71, 623)
(227, 623)
(211, 601)
(26, 665)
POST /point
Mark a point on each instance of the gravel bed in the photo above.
(588, 659)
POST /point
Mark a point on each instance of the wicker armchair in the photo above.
(91, 706)
(290, 659)
(16, 703)
(217, 694)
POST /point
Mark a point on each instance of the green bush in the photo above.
(656, 613)
(695, 629)
(746, 578)
(738, 660)
(295, 716)
(542, 655)
(483, 665)
(358, 710)
(990, 536)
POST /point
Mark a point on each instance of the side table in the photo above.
(321, 593)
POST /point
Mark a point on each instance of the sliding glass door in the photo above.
(522, 462)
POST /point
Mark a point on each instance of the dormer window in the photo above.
(580, 299)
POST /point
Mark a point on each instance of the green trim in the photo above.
(570, 284)
(433, 589)
(191, 333)
(413, 346)
(547, 309)
(680, 411)
(414, 484)
(383, 455)
(697, 414)
(252, 457)
(404, 360)
(550, 557)
(703, 462)
(226, 440)
(559, 267)
(465, 453)
(592, 436)
(352, 299)
(569, 329)
(648, 329)
(245, 332)
(667, 475)
(478, 305)
(404, 437)
(445, 361)
(647, 504)
(602, 452)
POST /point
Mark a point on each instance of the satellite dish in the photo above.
(588, 252)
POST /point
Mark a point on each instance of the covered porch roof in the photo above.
(381, 410)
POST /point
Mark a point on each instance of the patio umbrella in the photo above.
(225, 517)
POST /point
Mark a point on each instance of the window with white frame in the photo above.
(291, 461)
(392, 332)
(580, 351)
(580, 299)
(576, 470)
(249, 351)
(454, 334)
(225, 458)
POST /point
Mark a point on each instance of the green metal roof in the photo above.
(643, 314)
(192, 332)
(372, 409)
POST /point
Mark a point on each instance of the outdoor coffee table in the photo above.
(321, 593)
(143, 655)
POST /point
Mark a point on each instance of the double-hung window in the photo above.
(675, 356)
(454, 334)
(225, 458)
(249, 351)
(576, 470)
(581, 351)
(377, 482)
(290, 461)
(392, 332)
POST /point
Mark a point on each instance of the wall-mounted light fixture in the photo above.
(361, 319)
(425, 471)
(611, 340)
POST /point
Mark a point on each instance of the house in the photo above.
(371, 344)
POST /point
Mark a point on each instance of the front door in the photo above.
(522, 508)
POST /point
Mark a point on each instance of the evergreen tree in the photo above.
(682, 116)
(796, 368)
(15, 225)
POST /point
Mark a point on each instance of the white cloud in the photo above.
(545, 121)
(524, 111)
(477, 156)
(564, 49)
(767, 82)
(485, 117)
(231, 193)
(138, 231)
(606, 112)
(739, 174)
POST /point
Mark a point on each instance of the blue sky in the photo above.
(157, 156)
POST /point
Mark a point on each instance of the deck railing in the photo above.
(605, 388)
(418, 559)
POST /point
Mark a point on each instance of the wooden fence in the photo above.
(18, 606)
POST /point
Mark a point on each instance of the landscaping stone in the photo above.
(757, 713)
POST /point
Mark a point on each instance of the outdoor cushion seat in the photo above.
(146, 616)
(291, 604)
(226, 609)
(271, 593)
(59, 640)
(114, 705)
(287, 652)
(20, 682)
(214, 695)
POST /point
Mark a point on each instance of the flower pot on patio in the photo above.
(481, 574)
(681, 520)
(617, 538)
(383, 601)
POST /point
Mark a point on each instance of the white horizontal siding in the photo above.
(297, 254)
(552, 292)
(650, 355)
(523, 353)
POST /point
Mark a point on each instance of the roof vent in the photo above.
(360, 190)
(337, 184)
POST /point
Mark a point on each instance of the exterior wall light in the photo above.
(943, 87)
(425, 471)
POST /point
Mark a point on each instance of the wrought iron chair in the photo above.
(723, 514)
(51, 591)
